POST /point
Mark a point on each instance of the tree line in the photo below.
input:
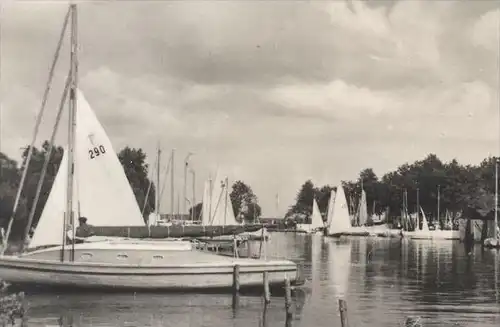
(245, 202)
(463, 190)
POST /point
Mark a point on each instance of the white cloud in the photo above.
(485, 32)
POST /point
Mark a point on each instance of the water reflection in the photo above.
(383, 281)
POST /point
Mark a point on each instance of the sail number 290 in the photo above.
(96, 151)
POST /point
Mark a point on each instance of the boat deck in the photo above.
(145, 256)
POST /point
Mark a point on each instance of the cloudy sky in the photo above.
(271, 92)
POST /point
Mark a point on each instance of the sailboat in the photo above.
(426, 234)
(316, 224)
(218, 211)
(98, 189)
(362, 228)
(340, 222)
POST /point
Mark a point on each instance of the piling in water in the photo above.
(288, 303)
(343, 313)
(236, 285)
(236, 279)
(267, 292)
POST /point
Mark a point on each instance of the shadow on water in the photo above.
(382, 280)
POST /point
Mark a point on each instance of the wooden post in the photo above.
(288, 303)
(236, 278)
(267, 292)
(264, 316)
(236, 285)
(343, 313)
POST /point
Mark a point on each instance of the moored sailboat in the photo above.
(316, 224)
(91, 183)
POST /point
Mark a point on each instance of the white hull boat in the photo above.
(432, 235)
(316, 226)
(426, 234)
(140, 266)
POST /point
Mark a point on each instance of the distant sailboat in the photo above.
(217, 210)
(341, 221)
(426, 234)
(316, 224)
(363, 210)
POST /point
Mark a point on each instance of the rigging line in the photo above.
(46, 162)
(166, 171)
(37, 126)
(147, 192)
(211, 220)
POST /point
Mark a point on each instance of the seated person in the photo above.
(84, 229)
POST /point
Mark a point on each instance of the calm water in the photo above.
(383, 281)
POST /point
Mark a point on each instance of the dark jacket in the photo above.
(84, 230)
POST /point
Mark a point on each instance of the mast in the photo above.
(277, 204)
(210, 199)
(225, 200)
(194, 193)
(418, 209)
(438, 204)
(69, 216)
(157, 193)
(172, 194)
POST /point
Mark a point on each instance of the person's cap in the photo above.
(82, 219)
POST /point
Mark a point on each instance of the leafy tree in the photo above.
(253, 213)
(322, 196)
(245, 202)
(10, 177)
(466, 190)
(136, 170)
(303, 202)
(34, 173)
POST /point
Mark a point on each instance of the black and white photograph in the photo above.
(253, 163)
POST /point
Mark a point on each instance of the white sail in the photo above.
(153, 218)
(331, 204)
(341, 221)
(222, 209)
(102, 192)
(316, 219)
(363, 211)
(425, 224)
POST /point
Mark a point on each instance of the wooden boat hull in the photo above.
(369, 231)
(128, 266)
(174, 231)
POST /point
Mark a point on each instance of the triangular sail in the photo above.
(222, 209)
(341, 221)
(331, 204)
(103, 194)
(316, 220)
(363, 211)
(425, 224)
